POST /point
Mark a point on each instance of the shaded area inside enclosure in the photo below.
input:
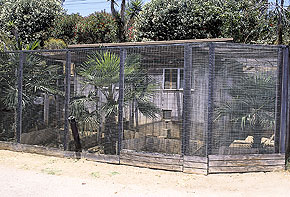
(8, 90)
(43, 99)
(245, 99)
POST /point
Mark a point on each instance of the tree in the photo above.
(99, 27)
(245, 21)
(179, 19)
(32, 18)
(101, 71)
(64, 27)
(126, 16)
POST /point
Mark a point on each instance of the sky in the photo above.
(86, 7)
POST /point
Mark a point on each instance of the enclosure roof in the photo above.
(150, 43)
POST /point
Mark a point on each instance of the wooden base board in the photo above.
(57, 152)
(151, 160)
(188, 164)
(246, 163)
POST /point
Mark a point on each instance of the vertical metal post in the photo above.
(278, 99)
(187, 102)
(19, 99)
(210, 98)
(121, 99)
(67, 98)
(284, 101)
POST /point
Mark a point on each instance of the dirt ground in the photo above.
(24, 174)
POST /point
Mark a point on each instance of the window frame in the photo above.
(179, 80)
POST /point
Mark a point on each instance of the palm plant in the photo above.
(38, 78)
(101, 71)
(252, 105)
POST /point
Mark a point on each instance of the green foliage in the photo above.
(245, 21)
(53, 43)
(31, 18)
(64, 27)
(99, 27)
(179, 19)
(253, 102)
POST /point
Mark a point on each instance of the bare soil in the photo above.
(24, 174)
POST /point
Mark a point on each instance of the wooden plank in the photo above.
(246, 169)
(151, 165)
(152, 159)
(243, 157)
(101, 158)
(187, 164)
(195, 159)
(146, 154)
(195, 171)
(149, 43)
(31, 149)
(237, 163)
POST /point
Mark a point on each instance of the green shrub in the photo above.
(53, 43)
(179, 19)
(31, 19)
(64, 27)
(96, 28)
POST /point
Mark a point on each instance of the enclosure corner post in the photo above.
(284, 101)
(278, 99)
(186, 112)
(67, 99)
(121, 98)
(19, 99)
(211, 66)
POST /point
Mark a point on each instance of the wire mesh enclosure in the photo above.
(169, 105)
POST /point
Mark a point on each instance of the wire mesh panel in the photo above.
(244, 99)
(94, 98)
(43, 98)
(9, 63)
(153, 99)
(199, 100)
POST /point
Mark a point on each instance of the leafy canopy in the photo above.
(31, 18)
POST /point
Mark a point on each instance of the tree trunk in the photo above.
(132, 114)
(120, 19)
(110, 127)
(110, 135)
(280, 24)
(136, 114)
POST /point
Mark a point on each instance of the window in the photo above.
(173, 78)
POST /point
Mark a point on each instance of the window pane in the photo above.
(174, 73)
(181, 82)
(167, 79)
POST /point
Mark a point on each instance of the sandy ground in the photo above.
(24, 174)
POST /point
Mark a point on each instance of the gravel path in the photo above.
(23, 174)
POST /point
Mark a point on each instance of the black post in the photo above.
(121, 98)
(278, 99)
(187, 102)
(67, 98)
(19, 99)
(210, 98)
(284, 101)
(75, 132)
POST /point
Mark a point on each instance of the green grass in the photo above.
(95, 174)
(114, 173)
(51, 171)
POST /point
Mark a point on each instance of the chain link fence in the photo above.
(193, 99)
